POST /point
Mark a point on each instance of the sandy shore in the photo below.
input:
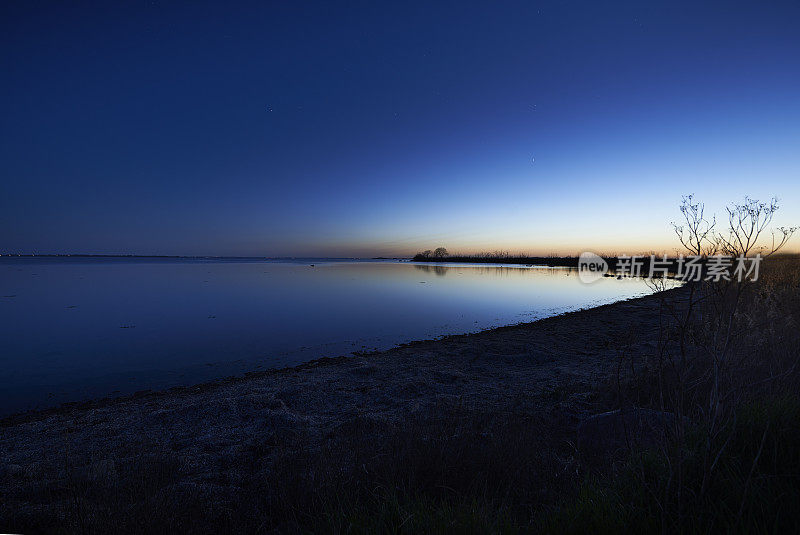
(551, 365)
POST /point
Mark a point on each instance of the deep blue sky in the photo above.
(286, 128)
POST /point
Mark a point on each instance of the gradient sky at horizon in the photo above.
(290, 129)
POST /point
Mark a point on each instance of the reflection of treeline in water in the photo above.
(500, 257)
(630, 265)
(441, 270)
(643, 262)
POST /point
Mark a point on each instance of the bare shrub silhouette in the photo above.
(723, 347)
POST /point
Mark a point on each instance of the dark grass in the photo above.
(458, 471)
(463, 472)
(756, 488)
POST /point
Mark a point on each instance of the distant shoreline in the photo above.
(191, 257)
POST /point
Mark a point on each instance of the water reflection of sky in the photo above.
(74, 329)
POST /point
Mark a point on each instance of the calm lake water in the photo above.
(78, 328)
